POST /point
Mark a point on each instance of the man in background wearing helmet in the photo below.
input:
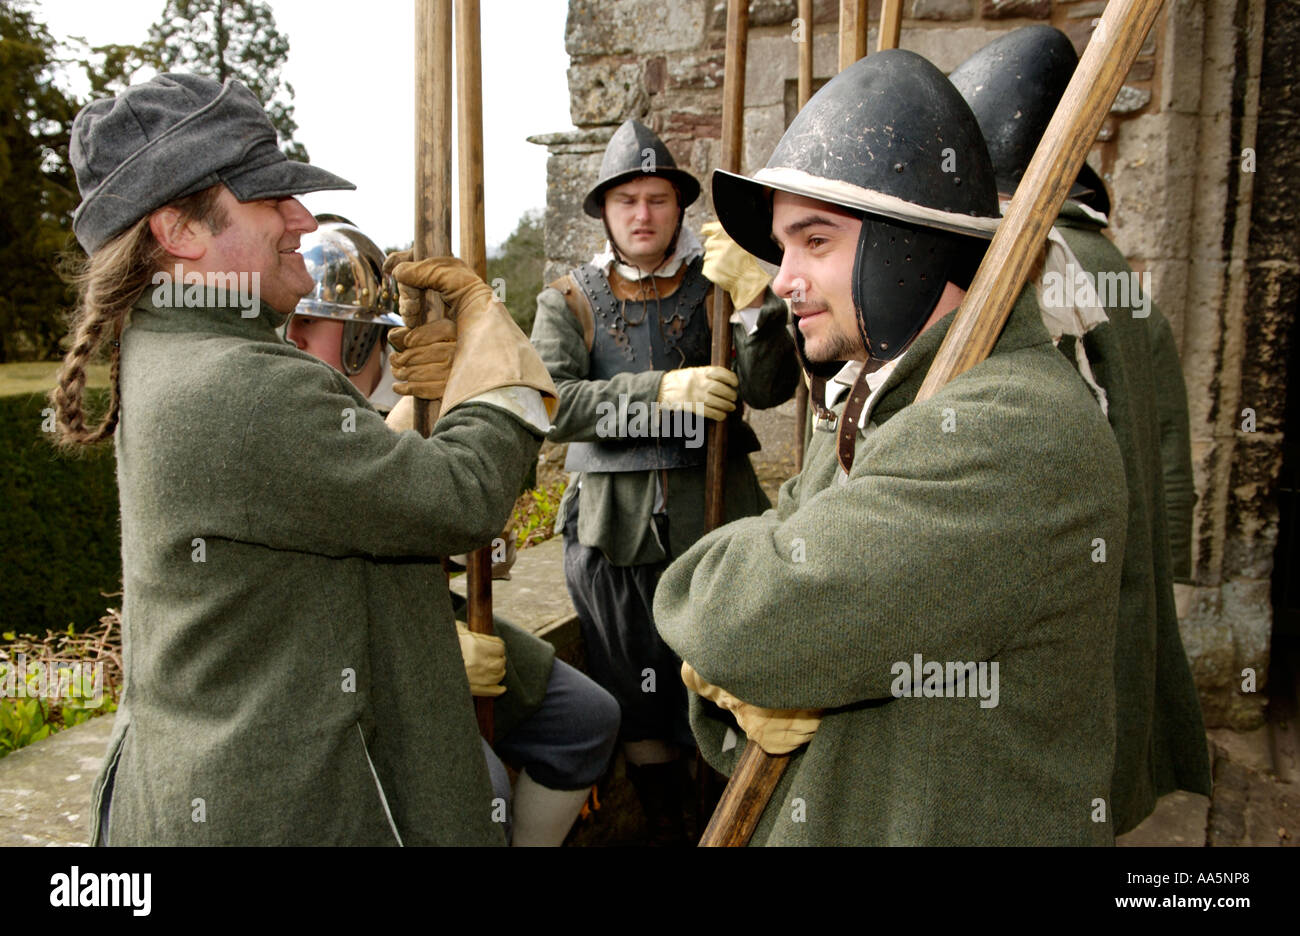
(926, 618)
(552, 721)
(1127, 353)
(623, 336)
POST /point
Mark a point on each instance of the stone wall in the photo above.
(1183, 193)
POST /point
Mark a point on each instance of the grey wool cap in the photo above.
(171, 137)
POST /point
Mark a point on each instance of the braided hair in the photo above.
(108, 284)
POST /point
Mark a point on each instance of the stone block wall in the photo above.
(1171, 150)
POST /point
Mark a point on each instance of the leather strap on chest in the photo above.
(847, 444)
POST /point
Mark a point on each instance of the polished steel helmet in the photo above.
(350, 286)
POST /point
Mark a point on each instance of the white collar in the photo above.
(688, 248)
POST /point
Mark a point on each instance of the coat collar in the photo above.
(1024, 328)
(165, 307)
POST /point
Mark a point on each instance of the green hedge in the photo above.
(60, 536)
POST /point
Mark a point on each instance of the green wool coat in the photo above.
(972, 529)
(1160, 739)
(614, 509)
(292, 672)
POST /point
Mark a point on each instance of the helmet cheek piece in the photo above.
(899, 273)
(357, 344)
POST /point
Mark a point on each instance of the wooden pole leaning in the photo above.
(733, 123)
(891, 24)
(983, 312)
(853, 31)
(805, 92)
(473, 250)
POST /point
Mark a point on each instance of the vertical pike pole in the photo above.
(978, 322)
(433, 148)
(733, 123)
(805, 92)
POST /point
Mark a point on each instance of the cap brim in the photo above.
(280, 179)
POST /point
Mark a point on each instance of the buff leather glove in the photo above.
(422, 362)
(728, 265)
(485, 661)
(776, 731)
(712, 389)
(491, 351)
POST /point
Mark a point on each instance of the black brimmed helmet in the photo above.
(635, 151)
(1013, 85)
(890, 138)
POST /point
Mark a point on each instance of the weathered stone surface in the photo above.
(45, 787)
(616, 27)
(1130, 100)
(771, 61)
(697, 72)
(1226, 631)
(1142, 70)
(1078, 10)
(953, 9)
(1250, 535)
(606, 94)
(783, 12)
(1180, 77)
(1251, 808)
(1151, 186)
(1010, 9)
(946, 47)
(1079, 31)
(763, 128)
(1179, 820)
(656, 72)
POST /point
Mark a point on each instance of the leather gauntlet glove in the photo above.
(713, 389)
(728, 265)
(485, 661)
(491, 351)
(776, 731)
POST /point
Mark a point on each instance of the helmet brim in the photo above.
(593, 205)
(744, 207)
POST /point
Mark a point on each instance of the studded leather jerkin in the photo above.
(630, 336)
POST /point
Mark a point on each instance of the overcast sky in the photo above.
(353, 75)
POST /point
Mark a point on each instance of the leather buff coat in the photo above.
(292, 671)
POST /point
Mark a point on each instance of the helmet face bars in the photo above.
(350, 287)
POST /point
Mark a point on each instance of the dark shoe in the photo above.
(660, 788)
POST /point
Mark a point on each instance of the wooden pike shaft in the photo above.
(433, 144)
(733, 125)
(997, 284)
(805, 92)
(891, 24)
(473, 250)
(853, 31)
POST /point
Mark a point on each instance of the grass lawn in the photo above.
(38, 376)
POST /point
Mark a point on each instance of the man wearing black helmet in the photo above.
(926, 619)
(626, 339)
(1125, 348)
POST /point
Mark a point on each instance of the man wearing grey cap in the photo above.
(292, 672)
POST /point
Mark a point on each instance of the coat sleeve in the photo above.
(318, 471)
(936, 542)
(557, 336)
(1175, 444)
(765, 361)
